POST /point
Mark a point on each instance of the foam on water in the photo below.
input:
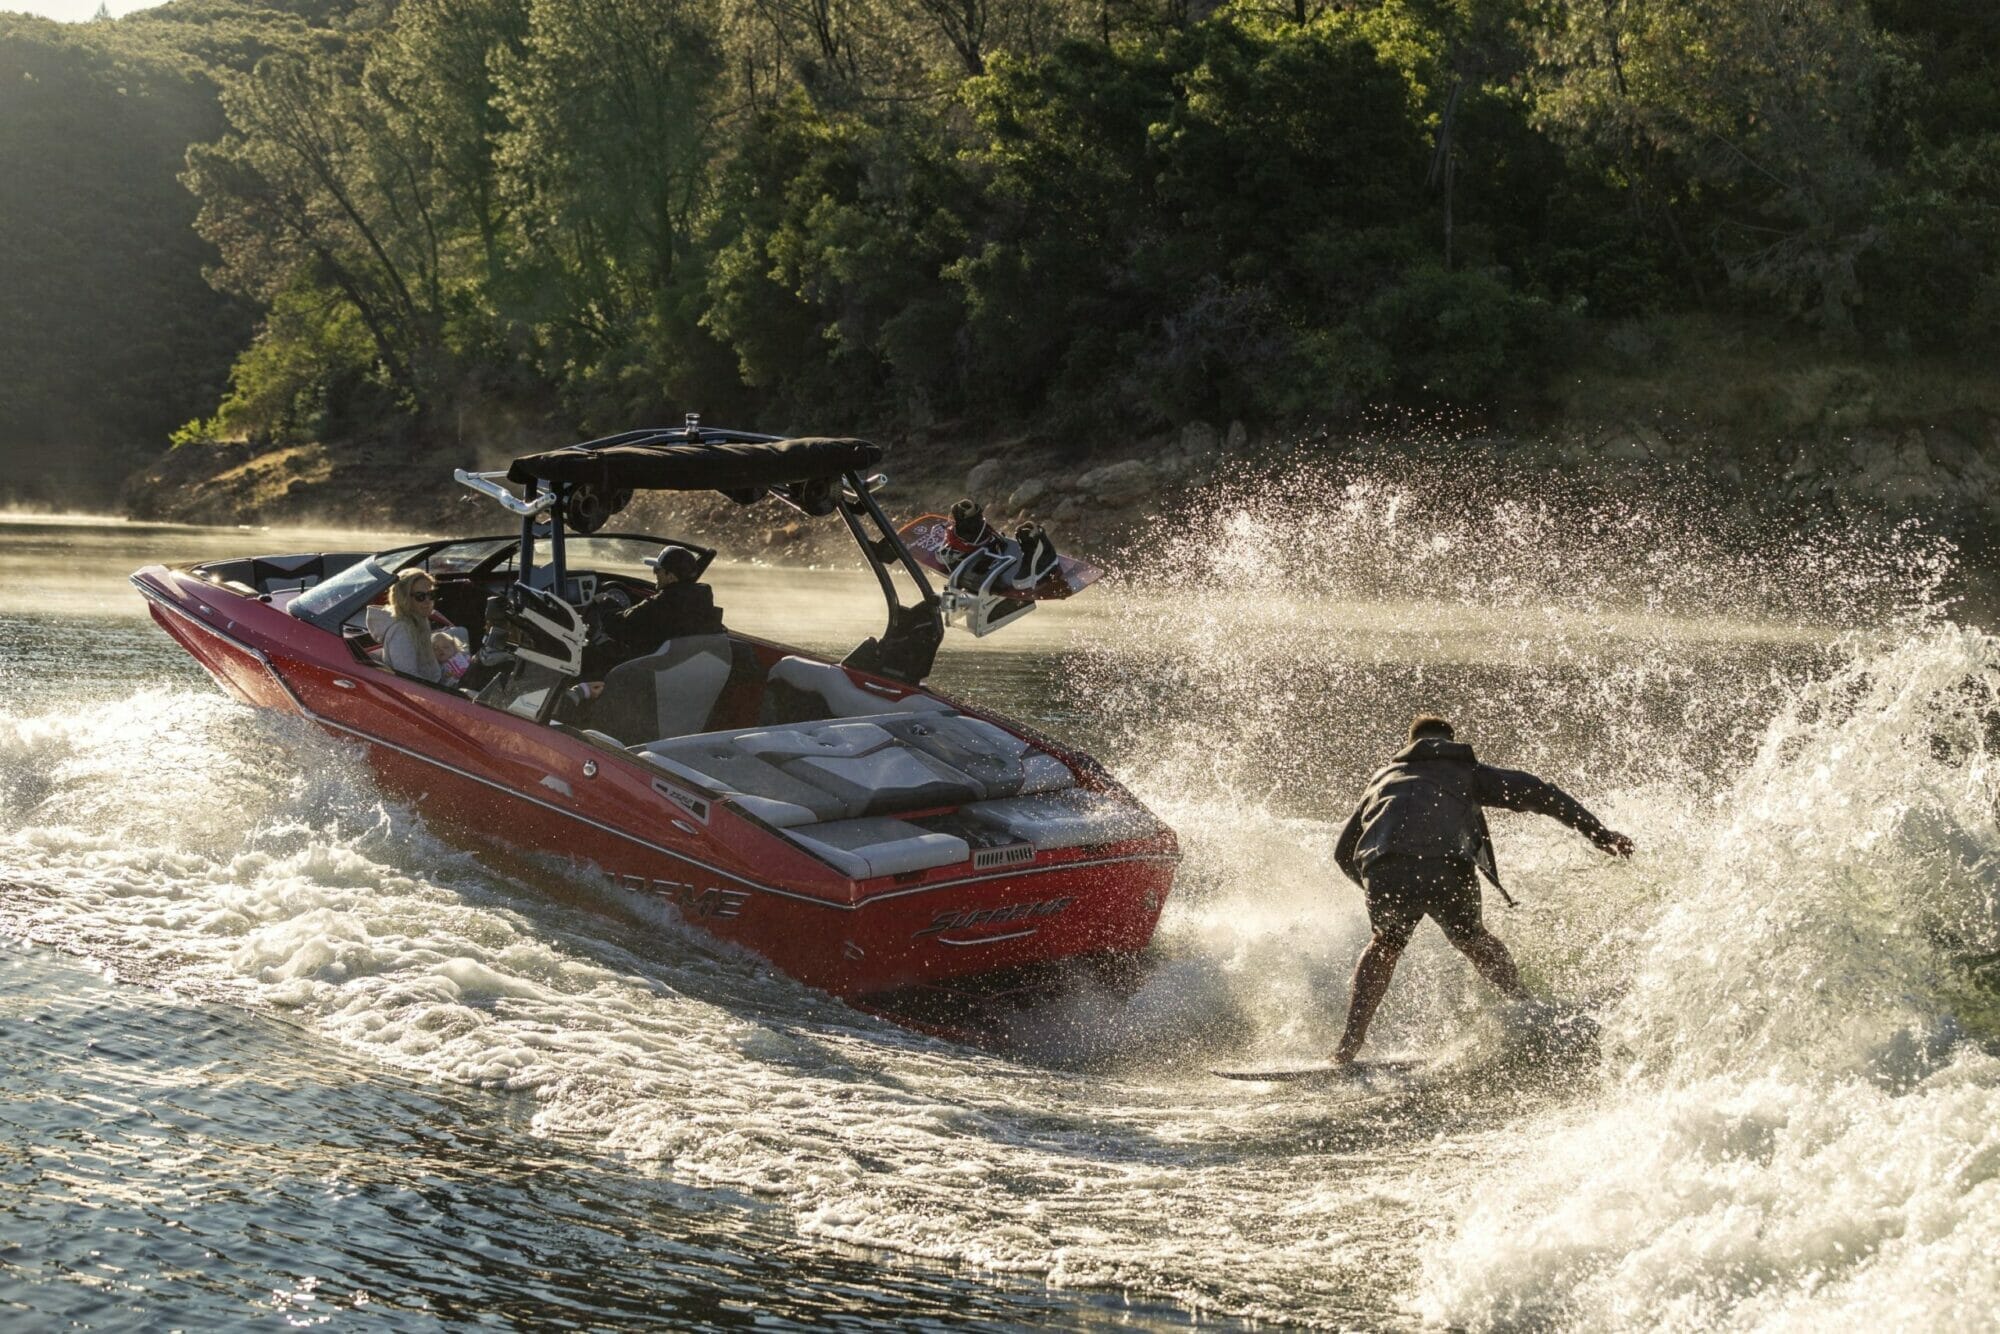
(1800, 1127)
(1793, 1123)
(190, 845)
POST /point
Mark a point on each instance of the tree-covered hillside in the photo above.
(834, 214)
(110, 334)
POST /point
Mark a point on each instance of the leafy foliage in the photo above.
(110, 337)
(857, 213)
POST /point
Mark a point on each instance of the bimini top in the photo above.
(672, 461)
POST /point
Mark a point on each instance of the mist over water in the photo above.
(1794, 1121)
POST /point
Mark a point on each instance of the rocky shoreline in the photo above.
(1943, 478)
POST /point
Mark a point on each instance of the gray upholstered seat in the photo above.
(862, 849)
(862, 764)
(664, 694)
(715, 762)
(823, 740)
(1068, 819)
(830, 785)
(981, 751)
(839, 694)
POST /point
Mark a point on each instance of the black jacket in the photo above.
(673, 611)
(1429, 800)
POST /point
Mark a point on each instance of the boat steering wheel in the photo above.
(609, 602)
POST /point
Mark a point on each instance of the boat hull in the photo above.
(540, 789)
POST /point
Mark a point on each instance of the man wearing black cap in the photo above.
(1414, 845)
(680, 605)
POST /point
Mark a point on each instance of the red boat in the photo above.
(866, 835)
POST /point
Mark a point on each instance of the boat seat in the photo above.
(861, 849)
(831, 693)
(863, 765)
(665, 694)
(854, 767)
(272, 574)
(1071, 819)
(1003, 764)
(714, 762)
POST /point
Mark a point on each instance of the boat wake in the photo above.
(1790, 1121)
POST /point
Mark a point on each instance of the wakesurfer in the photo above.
(1417, 843)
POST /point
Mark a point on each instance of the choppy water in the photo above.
(277, 1050)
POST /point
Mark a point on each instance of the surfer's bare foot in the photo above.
(1344, 1057)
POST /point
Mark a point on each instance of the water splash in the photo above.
(1798, 1129)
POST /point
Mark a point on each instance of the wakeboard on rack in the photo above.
(985, 588)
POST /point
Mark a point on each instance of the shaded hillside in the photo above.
(113, 336)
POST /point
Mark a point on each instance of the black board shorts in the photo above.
(1402, 891)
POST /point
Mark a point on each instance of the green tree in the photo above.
(315, 180)
(614, 112)
(110, 337)
(830, 240)
(434, 78)
(1755, 116)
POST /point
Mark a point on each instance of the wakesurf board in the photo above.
(1321, 1070)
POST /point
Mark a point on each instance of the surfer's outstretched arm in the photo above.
(1518, 790)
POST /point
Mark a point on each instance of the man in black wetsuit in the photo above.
(680, 605)
(1415, 845)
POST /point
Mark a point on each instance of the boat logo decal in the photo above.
(697, 806)
(959, 919)
(692, 900)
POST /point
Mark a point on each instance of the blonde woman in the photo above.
(409, 644)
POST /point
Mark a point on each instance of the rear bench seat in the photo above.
(834, 786)
(839, 696)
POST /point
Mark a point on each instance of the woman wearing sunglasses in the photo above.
(409, 644)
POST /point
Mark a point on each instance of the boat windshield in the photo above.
(624, 553)
(331, 601)
(603, 553)
(464, 557)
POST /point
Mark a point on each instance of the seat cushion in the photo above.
(1043, 772)
(861, 849)
(782, 814)
(845, 699)
(715, 762)
(665, 694)
(819, 740)
(987, 755)
(1068, 819)
(886, 780)
(856, 767)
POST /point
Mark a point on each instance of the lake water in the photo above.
(276, 1050)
